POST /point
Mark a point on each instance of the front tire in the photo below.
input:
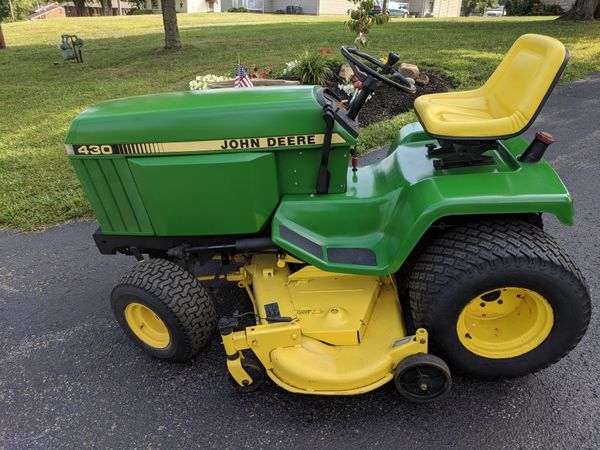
(164, 310)
(499, 298)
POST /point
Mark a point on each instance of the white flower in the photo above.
(201, 81)
(290, 66)
(350, 90)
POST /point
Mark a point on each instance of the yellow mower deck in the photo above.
(335, 334)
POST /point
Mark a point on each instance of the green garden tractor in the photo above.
(433, 259)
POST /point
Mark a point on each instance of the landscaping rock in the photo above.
(409, 70)
(411, 80)
(422, 80)
(346, 73)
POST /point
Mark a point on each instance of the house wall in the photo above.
(308, 6)
(192, 6)
(417, 7)
(335, 7)
(446, 8)
(186, 6)
(55, 13)
(441, 8)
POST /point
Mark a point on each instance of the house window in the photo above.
(431, 7)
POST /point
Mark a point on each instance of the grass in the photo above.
(38, 98)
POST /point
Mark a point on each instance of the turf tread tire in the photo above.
(181, 301)
(479, 249)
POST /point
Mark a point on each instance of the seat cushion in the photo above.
(507, 103)
(446, 115)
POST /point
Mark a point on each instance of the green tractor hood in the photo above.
(220, 114)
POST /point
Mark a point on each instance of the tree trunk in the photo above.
(80, 7)
(172, 40)
(384, 7)
(106, 7)
(2, 41)
(582, 10)
(12, 10)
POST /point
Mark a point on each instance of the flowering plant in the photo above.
(257, 72)
(311, 67)
(350, 89)
(201, 82)
(290, 66)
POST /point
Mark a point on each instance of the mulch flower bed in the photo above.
(388, 101)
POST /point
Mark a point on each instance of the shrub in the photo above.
(310, 67)
(279, 11)
(139, 12)
(519, 7)
(472, 6)
(532, 8)
(237, 10)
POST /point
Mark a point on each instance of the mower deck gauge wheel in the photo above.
(422, 378)
(256, 372)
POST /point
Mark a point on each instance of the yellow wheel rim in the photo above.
(147, 326)
(505, 323)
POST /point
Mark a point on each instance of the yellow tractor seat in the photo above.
(507, 103)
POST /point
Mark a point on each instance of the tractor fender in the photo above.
(388, 207)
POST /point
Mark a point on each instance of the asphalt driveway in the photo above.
(70, 378)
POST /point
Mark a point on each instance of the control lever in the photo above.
(392, 59)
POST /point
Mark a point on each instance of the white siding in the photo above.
(417, 7)
(192, 6)
(308, 6)
(337, 7)
(446, 8)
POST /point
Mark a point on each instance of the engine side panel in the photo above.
(207, 194)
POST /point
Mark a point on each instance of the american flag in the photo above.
(241, 77)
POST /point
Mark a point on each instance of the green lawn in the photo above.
(39, 98)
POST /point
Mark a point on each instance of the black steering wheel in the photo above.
(361, 70)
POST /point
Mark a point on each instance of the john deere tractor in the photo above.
(433, 259)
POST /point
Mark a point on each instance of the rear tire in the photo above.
(544, 314)
(164, 310)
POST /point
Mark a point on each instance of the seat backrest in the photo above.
(525, 77)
